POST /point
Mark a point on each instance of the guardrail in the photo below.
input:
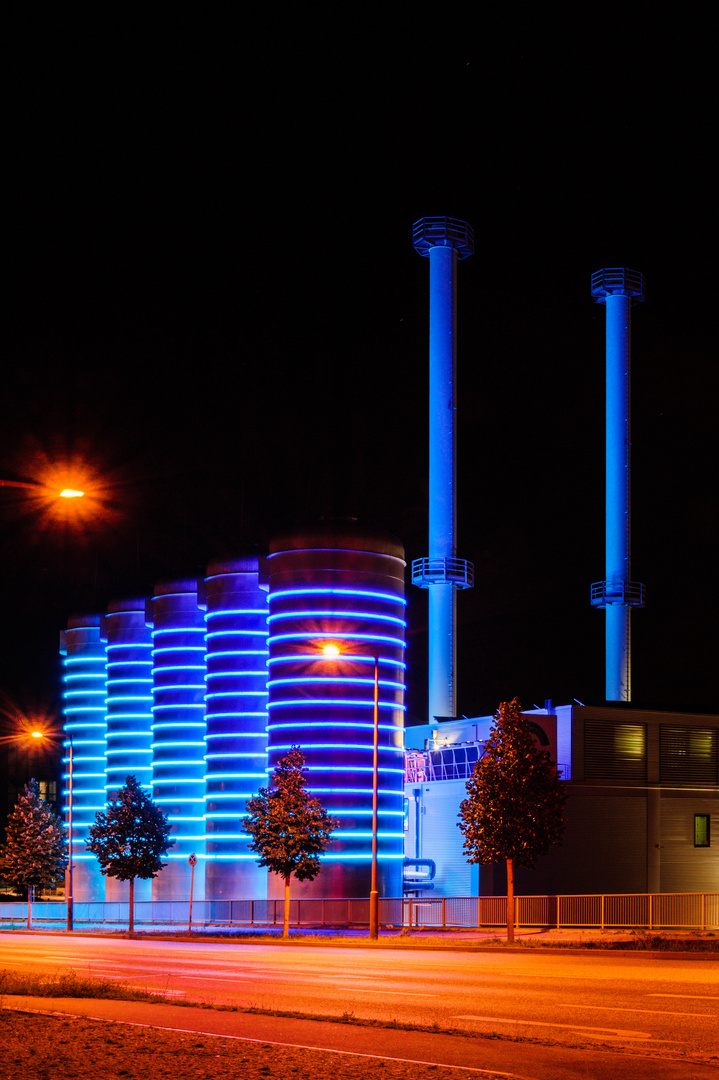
(680, 911)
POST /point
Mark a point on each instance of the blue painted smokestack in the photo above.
(443, 240)
(618, 288)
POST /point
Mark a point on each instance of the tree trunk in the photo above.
(29, 907)
(286, 924)
(132, 905)
(510, 902)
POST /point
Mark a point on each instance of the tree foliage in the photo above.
(289, 828)
(35, 850)
(515, 804)
(130, 838)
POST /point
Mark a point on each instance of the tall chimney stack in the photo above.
(443, 241)
(618, 289)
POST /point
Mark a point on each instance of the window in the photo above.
(615, 751)
(701, 830)
(688, 755)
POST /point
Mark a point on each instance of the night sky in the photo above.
(215, 311)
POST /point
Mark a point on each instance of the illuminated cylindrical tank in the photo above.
(85, 723)
(618, 288)
(178, 732)
(443, 241)
(129, 713)
(343, 585)
(236, 723)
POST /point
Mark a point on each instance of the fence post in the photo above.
(557, 913)
(444, 913)
(601, 907)
(651, 905)
(704, 911)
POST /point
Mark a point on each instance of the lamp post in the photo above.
(330, 650)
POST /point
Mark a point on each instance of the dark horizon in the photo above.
(215, 304)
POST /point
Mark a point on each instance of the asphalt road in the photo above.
(639, 1004)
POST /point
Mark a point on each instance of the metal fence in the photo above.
(686, 911)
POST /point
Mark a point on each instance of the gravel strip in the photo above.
(45, 1047)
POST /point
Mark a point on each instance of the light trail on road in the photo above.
(517, 989)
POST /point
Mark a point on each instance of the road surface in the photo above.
(638, 1004)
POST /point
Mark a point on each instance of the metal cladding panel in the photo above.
(129, 695)
(85, 722)
(351, 596)
(685, 868)
(178, 730)
(442, 839)
(604, 849)
(236, 715)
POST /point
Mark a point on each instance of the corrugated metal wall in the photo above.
(685, 868)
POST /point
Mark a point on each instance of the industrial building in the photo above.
(199, 690)
(643, 788)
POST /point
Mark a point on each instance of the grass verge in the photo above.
(69, 984)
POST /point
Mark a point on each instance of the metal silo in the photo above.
(341, 585)
(129, 712)
(178, 732)
(85, 728)
(236, 723)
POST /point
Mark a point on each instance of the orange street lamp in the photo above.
(69, 898)
(332, 651)
(66, 493)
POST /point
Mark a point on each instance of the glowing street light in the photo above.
(332, 651)
(69, 898)
(66, 493)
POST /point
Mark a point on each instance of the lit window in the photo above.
(701, 830)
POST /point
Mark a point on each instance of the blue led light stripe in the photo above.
(235, 694)
(317, 591)
(313, 658)
(348, 702)
(342, 746)
(236, 652)
(336, 724)
(235, 754)
(338, 615)
(179, 648)
(315, 635)
(224, 612)
(354, 791)
(328, 680)
(236, 735)
(184, 724)
(182, 705)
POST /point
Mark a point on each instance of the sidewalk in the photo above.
(703, 945)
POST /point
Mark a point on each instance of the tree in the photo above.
(289, 828)
(35, 850)
(130, 838)
(515, 808)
